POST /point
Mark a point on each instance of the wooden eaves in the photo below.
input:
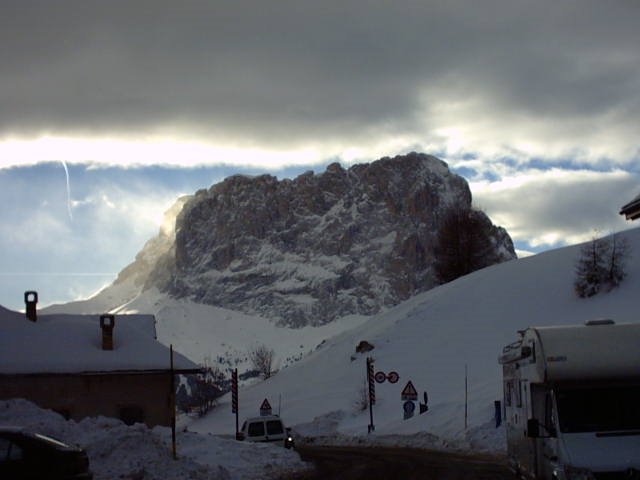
(632, 209)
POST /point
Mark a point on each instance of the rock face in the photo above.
(309, 250)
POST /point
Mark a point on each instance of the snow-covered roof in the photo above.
(580, 352)
(73, 344)
(144, 323)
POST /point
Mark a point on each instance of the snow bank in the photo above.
(136, 452)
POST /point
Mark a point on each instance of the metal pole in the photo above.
(235, 394)
(173, 407)
(466, 395)
(372, 397)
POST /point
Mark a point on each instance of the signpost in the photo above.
(372, 392)
(265, 408)
(234, 396)
(409, 395)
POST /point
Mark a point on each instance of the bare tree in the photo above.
(261, 358)
(619, 252)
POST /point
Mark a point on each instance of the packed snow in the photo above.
(116, 450)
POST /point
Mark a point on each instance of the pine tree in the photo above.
(591, 267)
(463, 243)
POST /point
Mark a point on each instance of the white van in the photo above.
(572, 402)
(267, 428)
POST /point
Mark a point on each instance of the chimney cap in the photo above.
(111, 320)
(31, 293)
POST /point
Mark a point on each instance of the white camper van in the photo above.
(572, 401)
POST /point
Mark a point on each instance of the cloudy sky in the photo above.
(110, 110)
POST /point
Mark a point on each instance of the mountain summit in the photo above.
(312, 249)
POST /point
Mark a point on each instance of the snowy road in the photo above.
(372, 463)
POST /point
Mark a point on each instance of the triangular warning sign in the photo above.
(409, 392)
(265, 405)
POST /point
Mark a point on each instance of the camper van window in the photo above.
(599, 409)
(518, 393)
(507, 393)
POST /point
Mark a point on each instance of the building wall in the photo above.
(130, 397)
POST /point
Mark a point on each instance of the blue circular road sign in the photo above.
(408, 406)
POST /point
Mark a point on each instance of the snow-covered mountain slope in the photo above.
(214, 335)
(430, 339)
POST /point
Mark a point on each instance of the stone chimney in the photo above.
(30, 300)
(107, 322)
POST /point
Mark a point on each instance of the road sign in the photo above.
(393, 377)
(380, 377)
(265, 408)
(409, 407)
(409, 392)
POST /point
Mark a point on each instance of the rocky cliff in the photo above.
(309, 250)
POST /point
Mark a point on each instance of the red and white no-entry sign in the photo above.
(380, 377)
(393, 377)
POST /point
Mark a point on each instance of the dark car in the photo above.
(26, 455)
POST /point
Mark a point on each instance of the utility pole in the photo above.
(466, 395)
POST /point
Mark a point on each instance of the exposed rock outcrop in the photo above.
(309, 250)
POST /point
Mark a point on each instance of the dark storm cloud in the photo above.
(299, 71)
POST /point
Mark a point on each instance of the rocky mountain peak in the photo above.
(317, 247)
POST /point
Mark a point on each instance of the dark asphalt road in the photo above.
(373, 463)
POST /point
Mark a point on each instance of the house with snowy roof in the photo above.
(631, 210)
(89, 365)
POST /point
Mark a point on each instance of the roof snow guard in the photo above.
(632, 209)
